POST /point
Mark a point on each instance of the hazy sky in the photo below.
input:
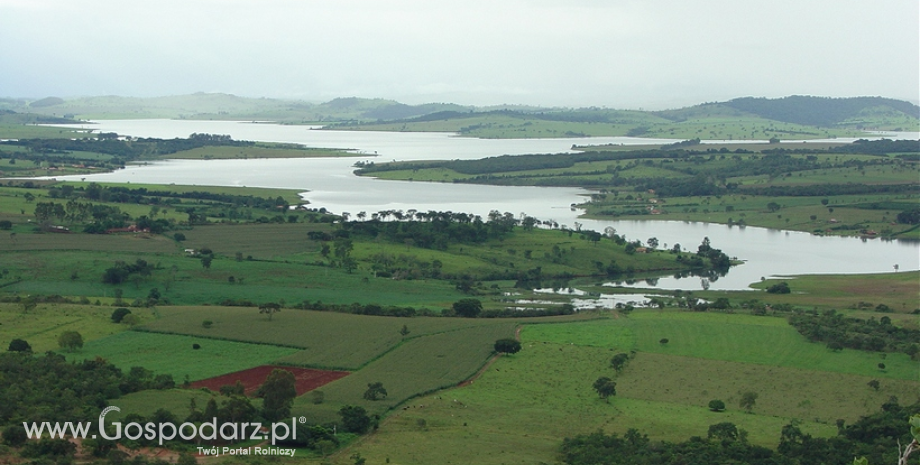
(615, 53)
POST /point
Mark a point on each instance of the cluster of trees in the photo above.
(876, 437)
(49, 388)
(436, 230)
(839, 331)
(122, 271)
(126, 149)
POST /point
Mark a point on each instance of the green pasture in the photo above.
(716, 336)
(843, 292)
(29, 131)
(288, 241)
(73, 265)
(820, 396)
(41, 326)
(522, 407)
(174, 355)
(328, 340)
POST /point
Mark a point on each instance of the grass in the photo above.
(329, 340)
(519, 410)
(41, 326)
(173, 354)
(419, 365)
(729, 337)
(896, 290)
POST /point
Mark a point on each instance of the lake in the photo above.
(329, 183)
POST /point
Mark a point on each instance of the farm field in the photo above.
(42, 325)
(328, 340)
(418, 366)
(731, 337)
(524, 404)
(305, 380)
(174, 354)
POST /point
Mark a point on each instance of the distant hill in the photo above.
(823, 111)
(795, 117)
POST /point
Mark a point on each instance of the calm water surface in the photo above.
(329, 183)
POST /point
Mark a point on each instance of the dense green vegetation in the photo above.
(725, 443)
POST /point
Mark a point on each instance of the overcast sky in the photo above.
(614, 53)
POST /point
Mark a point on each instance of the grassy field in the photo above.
(329, 340)
(173, 354)
(730, 337)
(41, 326)
(418, 366)
(522, 407)
(854, 292)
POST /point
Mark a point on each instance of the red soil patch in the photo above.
(305, 380)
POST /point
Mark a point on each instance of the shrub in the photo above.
(119, 314)
(507, 346)
(19, 345)
(781, 288)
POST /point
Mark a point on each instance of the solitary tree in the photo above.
(748, 399)
(725, 432)
(19, 345)
(605, 388)
(119, 314)
(270, 308)
(469, 308)
(278, 394)
(716, 405)
(507, 346)
(355, 419)
(375, 391)
(619, 361)
(70, 340)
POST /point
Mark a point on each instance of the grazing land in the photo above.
(528, 400)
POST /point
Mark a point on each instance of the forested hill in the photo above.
(821, 111)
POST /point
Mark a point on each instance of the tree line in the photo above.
(877, 437)
(839, 331)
